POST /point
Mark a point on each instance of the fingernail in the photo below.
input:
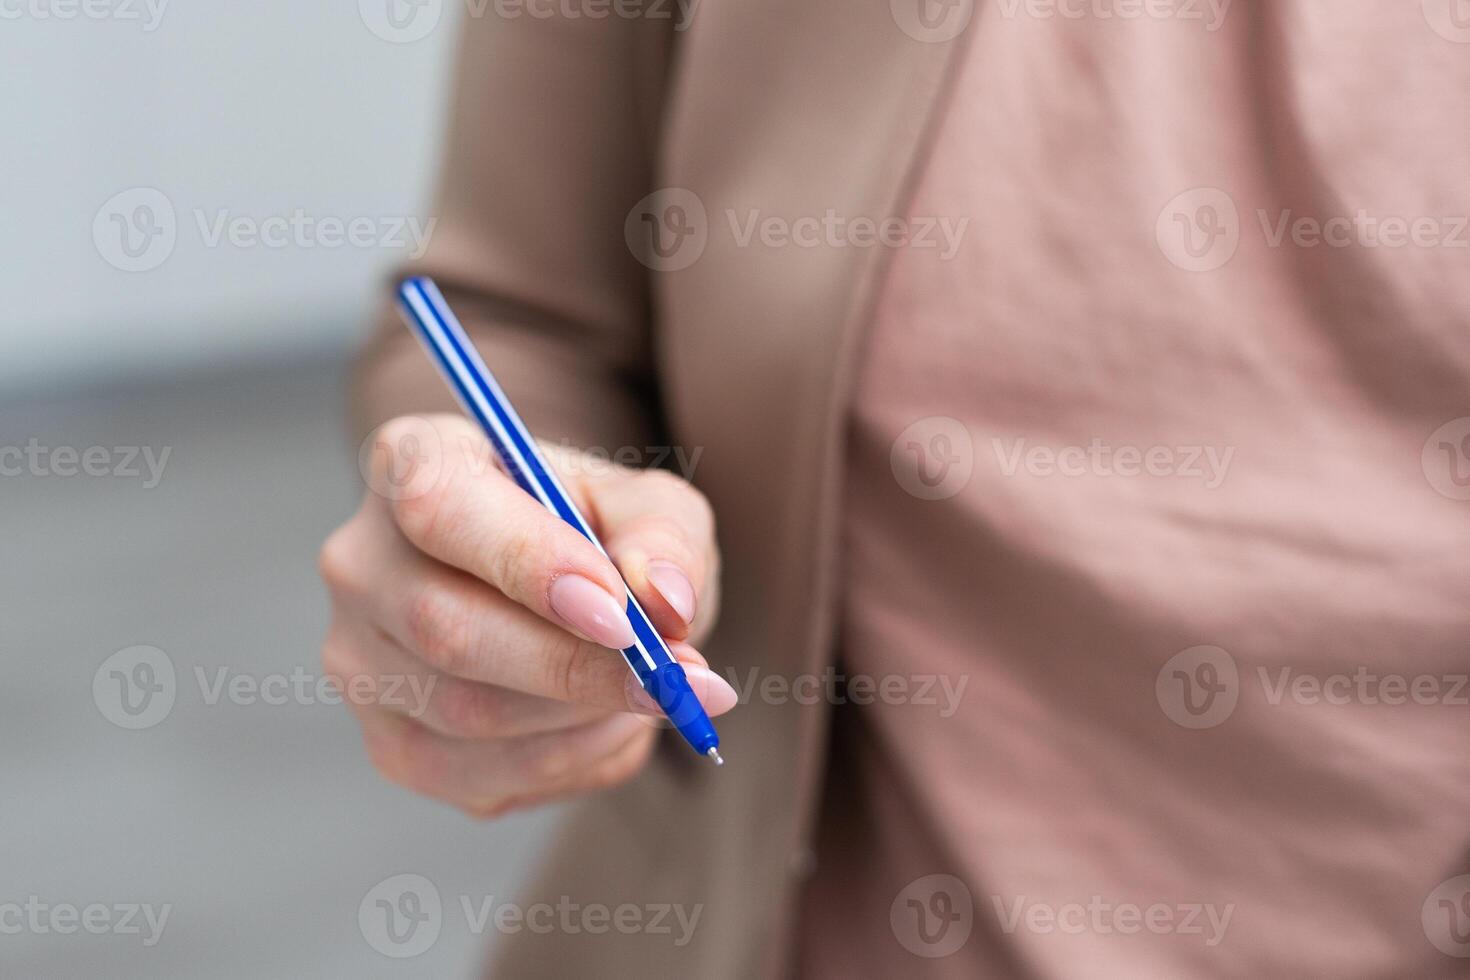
(713, 691)
(686, 654)
(587, 608)
(640, 700)
(674, 586)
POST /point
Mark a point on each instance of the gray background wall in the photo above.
(260, 827)
(253, 109)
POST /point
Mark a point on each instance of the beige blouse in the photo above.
(1185, 413)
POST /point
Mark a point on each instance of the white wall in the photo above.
(248, 109)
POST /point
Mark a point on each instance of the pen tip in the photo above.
(714, 754)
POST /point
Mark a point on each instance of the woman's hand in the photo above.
(451, 575)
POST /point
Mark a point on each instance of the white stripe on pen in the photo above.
(468, 383)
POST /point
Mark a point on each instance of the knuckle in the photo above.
(419, 515)
(339, 659)
(497, 804)
(662, 526)
(664, 480)
(387, 751)
(695, 506)
(465, 710)
(433, 516)
(399, 428)
(334, 563)
(562, 659)
(516, 563)
(701, 510)
(662, 535)
(409, 758)
(439, 628)
(623, 765)
(556, 762)
(488, 811)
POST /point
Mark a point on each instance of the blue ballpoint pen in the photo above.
(425, 310)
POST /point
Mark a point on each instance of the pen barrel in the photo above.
(669, 688)
(450, 347)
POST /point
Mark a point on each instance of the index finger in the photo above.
(475, 518)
